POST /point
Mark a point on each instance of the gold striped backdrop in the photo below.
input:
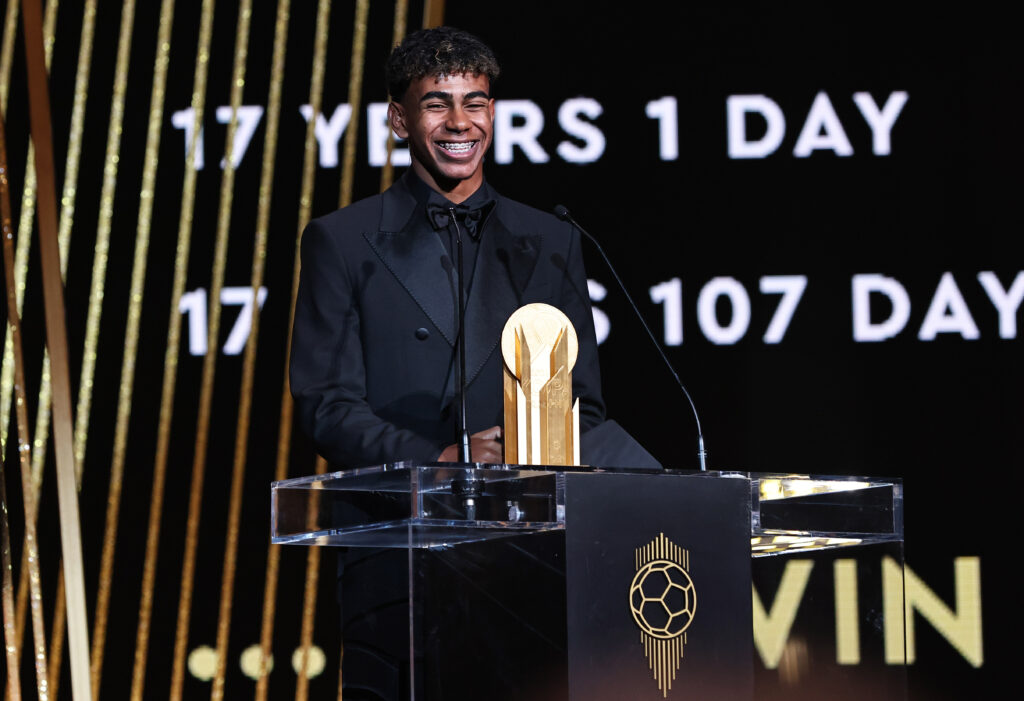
(187, 172)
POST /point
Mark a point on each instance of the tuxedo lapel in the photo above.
(417, 260)
(505, 263)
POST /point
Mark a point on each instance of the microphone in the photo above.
(562, 213)
(463, 435)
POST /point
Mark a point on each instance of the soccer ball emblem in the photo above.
(662, 599)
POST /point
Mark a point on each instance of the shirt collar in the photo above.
(425, 194)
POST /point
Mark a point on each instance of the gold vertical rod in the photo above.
(259, 257)
(209, 362)
(102, 247)
(7, 385)
(669, 671)
(199, 457)
(316, 88)
(68, 195)
(433, 13)
(171, 353)
(659, 665)
(57, 638)
(355, 92)
(56, 335)
(266, 181)
(77, 126)
(28, 204)
(664, 668)
(11, 638)
(656, 662)
(147, 194)
(92, 328)
(67, 211)
(17, 367)
(308, 607)
(398, 31)
(24, 243)
(7, 53)
(11, 642)
(285, 422)
(7, 371)
(22, 247)
(173, 337)
(341, 663)
(40, 437)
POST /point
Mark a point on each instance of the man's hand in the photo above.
(483, 447)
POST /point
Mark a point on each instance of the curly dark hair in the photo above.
(435, 52)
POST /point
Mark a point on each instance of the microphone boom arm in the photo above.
(562, 213)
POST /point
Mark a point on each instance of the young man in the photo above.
(374, 353)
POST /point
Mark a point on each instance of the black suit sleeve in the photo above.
(575, 302)
(327, 372)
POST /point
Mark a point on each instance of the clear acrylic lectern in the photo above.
(555, 583)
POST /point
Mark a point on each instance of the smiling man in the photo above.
(374, 366)
(440, 82)
(448, 120)
(374, 353)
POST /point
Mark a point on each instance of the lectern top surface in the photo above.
(770, 485)
(439, 504)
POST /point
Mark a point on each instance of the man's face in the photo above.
(449, 122)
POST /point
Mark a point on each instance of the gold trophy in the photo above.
(542, 423)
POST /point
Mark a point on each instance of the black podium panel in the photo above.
(490, 622)
(703, 527)
(551, 615)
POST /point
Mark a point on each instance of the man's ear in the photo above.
(396, 118)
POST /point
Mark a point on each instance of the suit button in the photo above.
(422, 334)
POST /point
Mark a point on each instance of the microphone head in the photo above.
(562, 213)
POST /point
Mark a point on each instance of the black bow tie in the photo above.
(440, 217)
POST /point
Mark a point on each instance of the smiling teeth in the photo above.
(457, 146)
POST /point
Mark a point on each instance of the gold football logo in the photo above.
(663, 601)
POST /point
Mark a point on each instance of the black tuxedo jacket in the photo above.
(375, 321)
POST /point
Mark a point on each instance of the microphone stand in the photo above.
(472, 485)
(562, 213)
